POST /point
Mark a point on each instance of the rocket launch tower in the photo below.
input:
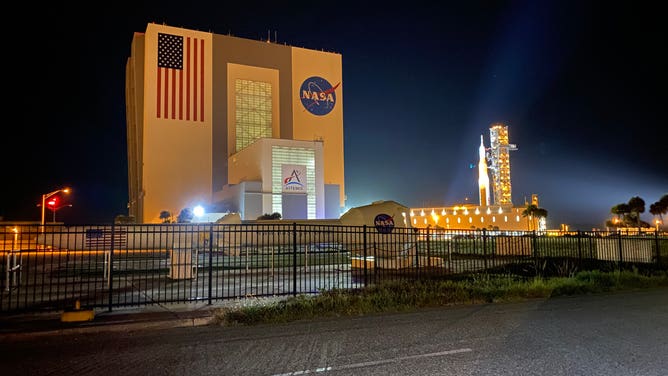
(499, 163)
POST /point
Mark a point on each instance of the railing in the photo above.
(114, 266)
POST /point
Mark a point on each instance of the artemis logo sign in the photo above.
(294, 178)
(318, 96)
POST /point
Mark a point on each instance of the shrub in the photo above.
(274, 215)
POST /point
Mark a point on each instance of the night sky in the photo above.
(580, 84)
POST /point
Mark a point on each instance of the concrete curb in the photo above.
(102, 323)
(139, 318)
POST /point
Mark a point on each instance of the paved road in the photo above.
(612, 334)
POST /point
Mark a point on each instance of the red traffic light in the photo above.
(52, 202)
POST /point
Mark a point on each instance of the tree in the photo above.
(660, 207)
(165, 216)
(654, 209)
(621, 211)
(185, 216)
(629, 213)
(637, 207)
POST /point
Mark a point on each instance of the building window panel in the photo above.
(253, 112)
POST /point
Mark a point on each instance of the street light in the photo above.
(47, 195)
(52, 206)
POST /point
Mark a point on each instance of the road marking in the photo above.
(372, 363)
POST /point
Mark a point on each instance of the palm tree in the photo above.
(540, 213)
(529, 212)
(533, 211)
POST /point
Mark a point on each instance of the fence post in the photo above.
(417, 252)
(8, 269)
(580, 246)
(658, 250)
(484, 248)
(210, 262)
(364, 256)
(449, 243)
(619, 234)
(111, 267)
(534, 246)
(294, 259)
(428, 248)
(591, 247)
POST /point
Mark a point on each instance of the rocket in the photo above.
(483, 178)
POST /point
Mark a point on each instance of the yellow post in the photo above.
(77, 314)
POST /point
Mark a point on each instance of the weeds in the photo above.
(407, 296)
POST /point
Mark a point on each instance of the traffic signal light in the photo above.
(52, 202)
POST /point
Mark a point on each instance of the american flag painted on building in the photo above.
(180, 80)
(102, 238)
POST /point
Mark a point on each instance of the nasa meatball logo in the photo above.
(318, 96)
(384, 223)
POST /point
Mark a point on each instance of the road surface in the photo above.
(610, 334)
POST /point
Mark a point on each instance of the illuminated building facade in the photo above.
(234, 125)
(472, 217)
(477, 217)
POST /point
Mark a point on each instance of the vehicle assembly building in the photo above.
(233, 125)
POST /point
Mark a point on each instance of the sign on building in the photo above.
(294, 178)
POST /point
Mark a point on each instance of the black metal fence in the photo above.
(105, 267)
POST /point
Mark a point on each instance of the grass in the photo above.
(410, 296)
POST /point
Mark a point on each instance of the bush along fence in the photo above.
(50, 268)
